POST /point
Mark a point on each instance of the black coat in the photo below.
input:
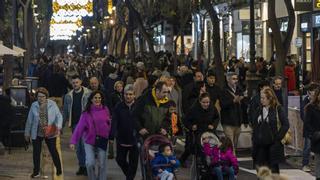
(214, 92)
(312, 123)
(231, 113)
(58, 85)
(201, 117)
(274, 152)
(123, 124)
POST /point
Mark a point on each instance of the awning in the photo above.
(7, 51)
(19, 50)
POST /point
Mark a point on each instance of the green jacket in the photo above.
(148, 115)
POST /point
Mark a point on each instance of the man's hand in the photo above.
(173, 162)
(72, 147)
(210, 127)
(27, 138)
(143, 131)
(160, 170)
(163, 131)
(236, 99)
(194, 127)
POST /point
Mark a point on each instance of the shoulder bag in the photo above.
(100, 142)
(287, 139)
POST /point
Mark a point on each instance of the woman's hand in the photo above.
(194, 127)
(72, 147)
(210, 126)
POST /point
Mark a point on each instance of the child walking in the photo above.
(222, 159)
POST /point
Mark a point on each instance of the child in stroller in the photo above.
(149, 151)
(221, 159)
(164, 163)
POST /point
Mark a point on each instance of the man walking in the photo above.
(231, 110)
(123, 123)
(74, 103)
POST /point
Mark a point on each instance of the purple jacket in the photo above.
(220, 158)
(86, 129)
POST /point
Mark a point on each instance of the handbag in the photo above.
(50, 131)
(100, 142)
(287, 139)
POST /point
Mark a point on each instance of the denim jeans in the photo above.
(227, 171)
(165, 175)
(306, 151)
(91, 151)
(81, 154)
(317, 162)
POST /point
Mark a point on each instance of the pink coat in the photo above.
(220, 158)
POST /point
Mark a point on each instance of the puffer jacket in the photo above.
(219, 158)
(161, 162)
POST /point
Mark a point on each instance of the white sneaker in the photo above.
(306, 169)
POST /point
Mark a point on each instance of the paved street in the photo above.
(18, 166)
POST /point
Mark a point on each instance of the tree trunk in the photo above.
(27, 33)
(216, 43)
(123, 45)
(201, 45)
(130, 29)
(282, 44)
(182, 44)
(144, 32)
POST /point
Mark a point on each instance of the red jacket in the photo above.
(290, 74)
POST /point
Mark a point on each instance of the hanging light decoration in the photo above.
(67, 17)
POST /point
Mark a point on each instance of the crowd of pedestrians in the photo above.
(112, 102)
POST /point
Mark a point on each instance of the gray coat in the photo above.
(68, 100)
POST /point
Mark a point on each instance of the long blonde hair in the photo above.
(271, 96)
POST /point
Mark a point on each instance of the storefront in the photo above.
(305, 31)
(316, 46)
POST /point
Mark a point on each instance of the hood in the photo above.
(158, 101)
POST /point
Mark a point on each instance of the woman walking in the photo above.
(94, 127)
(44, 123)
(201, 117)
(270, 126)
(312, 124)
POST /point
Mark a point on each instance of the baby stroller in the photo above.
(200, 167)
(148, 148)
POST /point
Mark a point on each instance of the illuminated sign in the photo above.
(316, 5)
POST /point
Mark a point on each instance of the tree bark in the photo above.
(282, 44)
(216, 43)
(123, 45)
(130, 29)
(27, 32)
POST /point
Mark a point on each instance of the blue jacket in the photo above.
(159, 160)
(32, 124)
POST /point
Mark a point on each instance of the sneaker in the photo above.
(85, 173)
(80, 171)
(306, 169)
(35, 175)
(59, 172)
(110, 156)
